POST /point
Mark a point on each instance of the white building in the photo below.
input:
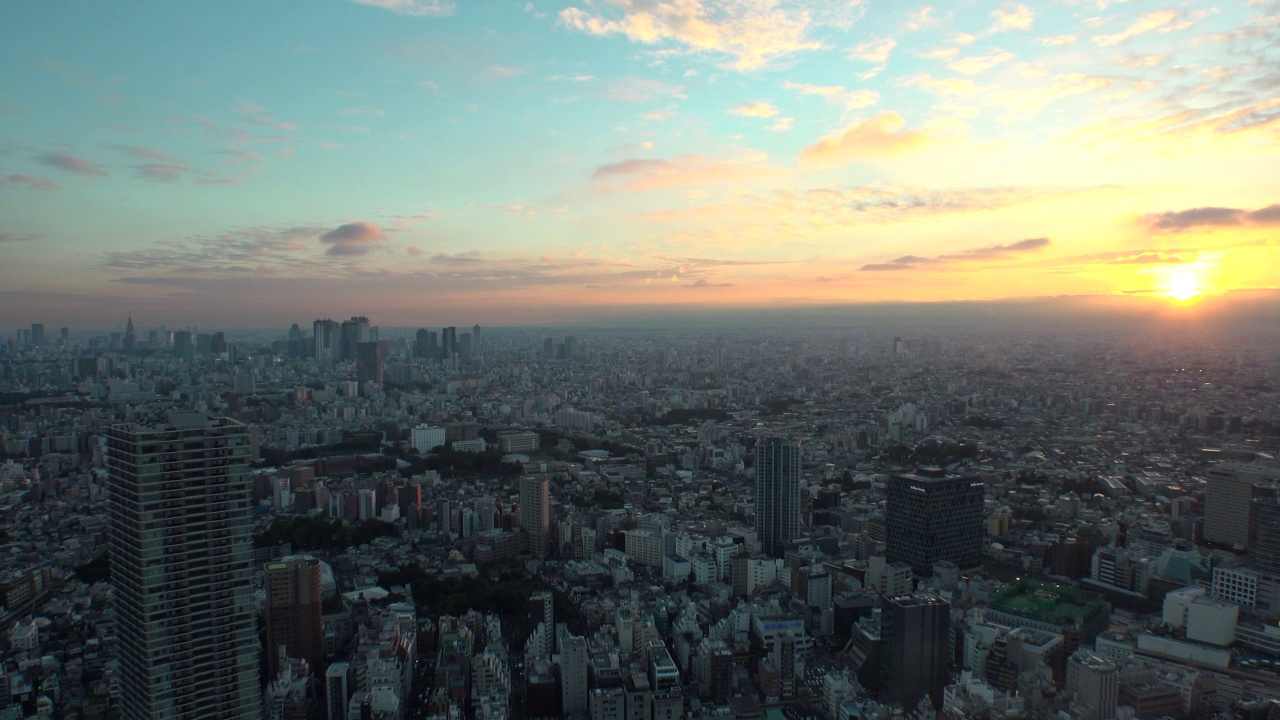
(427, 438)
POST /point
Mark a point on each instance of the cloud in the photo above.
(139, 152)
(357, 238)
(990, 252)
(941, 86)
(418, 8)
(12, 238)
(976, 64)
(642, 90)
(33, 182)
(1158, 21)
(414, 250)
(651, 174)
(160, 172)
(263, 249)
(1012, 16)
(756, 109)
(1213, 217)
(906, 262)
(850, 99)
(783, 124)
(362, 110)
(885, 134)
(72, 164)
(751, 35)
(921, 18)
(875, 50)
(1058, 40)
(1149, 258)
(463, 259)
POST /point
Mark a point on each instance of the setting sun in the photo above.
(1183, 285)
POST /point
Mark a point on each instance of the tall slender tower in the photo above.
(181, 532)
(130, 338)
(777, 493)
(535, 512)
(295, 612)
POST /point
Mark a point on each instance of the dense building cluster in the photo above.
(361, 523)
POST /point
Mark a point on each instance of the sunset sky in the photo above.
(434, 161)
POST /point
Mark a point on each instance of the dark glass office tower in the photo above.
(915, 649)
(181, 540)
(1264, 529)
(934, 517)
(777, 493)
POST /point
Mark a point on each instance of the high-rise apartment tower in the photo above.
(777, 493)
(181, 534)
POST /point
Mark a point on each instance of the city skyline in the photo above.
(543, 163)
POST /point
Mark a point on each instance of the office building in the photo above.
(294, 611)
(1093, 683)
(425, 344)
(181, 535)
(369, 363)
(351, 334)
(448, 343)
(1264, 529)
(535, 511)
(183, 345)
(37, 334)
(326, 340)
(777, 494)
(1228, 496)
(915, 636)
(574, 664)
(932, 517)
(339, 686)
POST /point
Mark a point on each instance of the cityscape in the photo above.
(640, 360)
(348, 521)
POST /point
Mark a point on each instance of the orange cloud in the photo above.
(644, 174)
(755, 109)
(884, 134)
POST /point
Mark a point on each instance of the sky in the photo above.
(455, 161)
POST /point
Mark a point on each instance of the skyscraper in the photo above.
(932, 516)
(448, 343)
(1264, 529)
(37, 334)
(325, 334)
(535, 511)
(915, 642)
(130, 337)
(181, 532)
(777, 493)
(182, 346)
(1228, 495)
(352, 333)
(368, 363)
(475, 340)
(294, 612)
